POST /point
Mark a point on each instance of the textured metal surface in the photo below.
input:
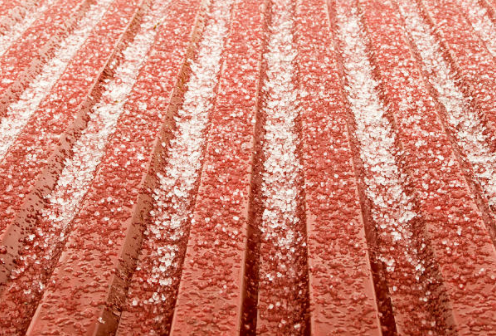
(259, 167)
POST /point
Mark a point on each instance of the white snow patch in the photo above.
(282, 168)
(173, 196)
(392, 208)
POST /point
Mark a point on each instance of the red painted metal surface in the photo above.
(6, 6)
(468, 55)
(46, 139)
(100, 252)
(23, 59)
(490, 5)
(211, 291)
(259, 167)
(10, 12)
(153, 289)
(24, 236)
(339, 265)
(440, 188)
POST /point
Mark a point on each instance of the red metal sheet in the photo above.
(211, 292)
(440, 190)
(23, 59)
(106, 235)
(338, 259)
